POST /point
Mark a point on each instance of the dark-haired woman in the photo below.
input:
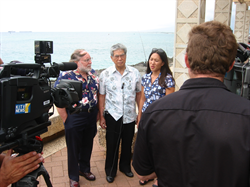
(156, 83)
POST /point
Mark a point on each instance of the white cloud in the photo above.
(86, 15)
(91, 15)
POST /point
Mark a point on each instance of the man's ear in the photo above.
(231, 67)
(186, 61)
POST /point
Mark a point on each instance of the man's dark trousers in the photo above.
(115, 132)
(80, 133)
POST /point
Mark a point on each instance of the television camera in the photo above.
(26, 96)
(238, 79)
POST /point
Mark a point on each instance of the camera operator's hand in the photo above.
(15, 168)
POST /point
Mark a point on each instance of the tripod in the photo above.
(30, 179)
(29, 141)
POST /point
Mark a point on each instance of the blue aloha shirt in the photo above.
(155, 91)
(89, 86)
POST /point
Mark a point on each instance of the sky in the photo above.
(91, 15)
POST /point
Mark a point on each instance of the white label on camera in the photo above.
(46, 102)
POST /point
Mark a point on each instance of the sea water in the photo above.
(20, 45)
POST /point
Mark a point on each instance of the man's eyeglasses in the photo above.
(117, 56)
(87, 60)
(157, 50)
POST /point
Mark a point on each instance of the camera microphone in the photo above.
(25, 69)
(65, 66)
(122, 85)
(54, 70)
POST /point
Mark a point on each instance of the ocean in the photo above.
(20, 45)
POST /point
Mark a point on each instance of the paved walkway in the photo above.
(56, 165)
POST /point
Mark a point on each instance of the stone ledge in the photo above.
(56, 128)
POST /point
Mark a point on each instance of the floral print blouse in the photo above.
(154, 91)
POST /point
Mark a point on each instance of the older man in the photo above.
(120, 89)
(80, 128)
(198, 136)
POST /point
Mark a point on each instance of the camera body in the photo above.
(238, 79)
(25, 100)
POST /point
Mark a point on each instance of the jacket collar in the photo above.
(203, 83)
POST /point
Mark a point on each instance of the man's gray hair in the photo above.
(118, 46)
(78, 53)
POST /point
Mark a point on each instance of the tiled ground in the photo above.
(56, 165)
